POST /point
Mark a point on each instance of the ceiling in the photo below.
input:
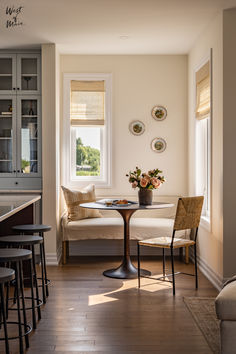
(109, 26)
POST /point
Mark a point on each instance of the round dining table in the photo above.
(126, 270)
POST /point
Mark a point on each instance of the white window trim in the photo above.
(107, 140)
(206, 220)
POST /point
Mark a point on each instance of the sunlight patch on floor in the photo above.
(149, 285)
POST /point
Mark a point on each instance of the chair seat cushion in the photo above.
(226, 302)
(113, 228)
(165, 242)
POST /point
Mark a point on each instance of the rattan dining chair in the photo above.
(187, 216)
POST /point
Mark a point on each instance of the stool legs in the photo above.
(35, 280)
(3, 314)
(7, 298)
(32, 295)
(43, 273)
(45, 268)
(23, 304)
(18, 309)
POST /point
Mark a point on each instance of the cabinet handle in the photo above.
(18, 88)
(13, 88)
(16, 182)
(14, 171)
(18, 171)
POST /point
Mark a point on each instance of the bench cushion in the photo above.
(113, 228)
(226, 302)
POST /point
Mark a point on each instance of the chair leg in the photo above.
(173, 269)
(187, 254)
(138, 251)
(163, 262)
(195, 259)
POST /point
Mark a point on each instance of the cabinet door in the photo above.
(7, 73)
(28, 74)
(28, 136)
(7, 136)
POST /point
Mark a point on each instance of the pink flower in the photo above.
(134, 184)
(143, 182)
(155, 182)
(148, 179)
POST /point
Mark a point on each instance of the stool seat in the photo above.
(21, 240)
(14, 254)
(6, 274)
(32, 228)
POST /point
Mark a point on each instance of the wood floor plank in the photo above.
(89, 313)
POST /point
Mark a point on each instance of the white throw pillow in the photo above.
(75, 198)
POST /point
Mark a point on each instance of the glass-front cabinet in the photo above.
(8, 73)
(20, 73)
(28, 129)
(20, 121)
(28, 73)
(7, 135)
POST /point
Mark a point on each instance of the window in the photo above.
(203, 137)
(87, 133)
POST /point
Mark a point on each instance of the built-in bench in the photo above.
(144, 224)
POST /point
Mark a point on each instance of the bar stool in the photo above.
(19, 241)
(40, 229)
(6, 275)
(15, 256)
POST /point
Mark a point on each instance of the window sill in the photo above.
(205, 222)
(83, 182)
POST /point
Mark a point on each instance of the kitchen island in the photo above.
(16, 209)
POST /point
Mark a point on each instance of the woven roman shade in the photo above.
(203, 106)
(87, 103)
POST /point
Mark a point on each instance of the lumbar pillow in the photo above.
(75, 198)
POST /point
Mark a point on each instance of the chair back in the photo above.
(188, 213)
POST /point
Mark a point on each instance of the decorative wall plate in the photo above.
(158, 145)
(159, 113)
(137, 127)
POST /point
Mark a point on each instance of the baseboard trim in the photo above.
(209, 273)
(109, 248)
(51, 259)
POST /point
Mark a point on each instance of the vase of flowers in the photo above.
(146, 182)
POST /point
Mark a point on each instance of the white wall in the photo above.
(139, 83)
(210, 243)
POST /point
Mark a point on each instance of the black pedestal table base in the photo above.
(125, 271)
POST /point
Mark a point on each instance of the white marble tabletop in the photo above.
(12, 204)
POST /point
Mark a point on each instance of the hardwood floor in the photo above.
(87, 312)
